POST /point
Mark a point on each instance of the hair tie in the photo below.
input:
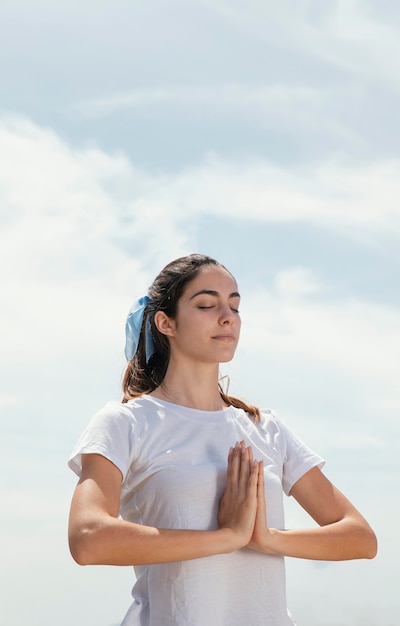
(133, 327)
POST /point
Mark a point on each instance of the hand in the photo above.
(238, 506)
(261, 532)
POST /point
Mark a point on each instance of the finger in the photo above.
(261, 503)
(234, 469)
(253, 479)
(260, 481)
(251, 458)
(245, 469)
(251, 454)
(244, 462)
(230, 457)
(229, 470)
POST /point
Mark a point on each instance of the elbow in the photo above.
(371, 549)
(367, 543)
(80, 556)
(360, 542)
(82, 546)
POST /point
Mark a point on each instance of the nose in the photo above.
(227, 316)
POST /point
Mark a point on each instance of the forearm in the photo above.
(98, 536)
(112, 541)
(339, 541)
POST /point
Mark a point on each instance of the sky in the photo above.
(263, 133)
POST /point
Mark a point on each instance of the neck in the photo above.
(195, 387)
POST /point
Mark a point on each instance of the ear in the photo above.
(164, 324)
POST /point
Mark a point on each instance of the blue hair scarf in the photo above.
(133, 327)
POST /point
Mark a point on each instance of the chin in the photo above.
(227, 359)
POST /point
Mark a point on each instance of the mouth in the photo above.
(227, 338)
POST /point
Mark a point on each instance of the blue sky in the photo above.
(265, 134)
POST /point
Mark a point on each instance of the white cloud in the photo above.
(74, 251)
(85, 224)
(350, 35)
(358, 36)
(320, 358)
(220, 97)
(358, 201)
(298, 281)
(70, 199)
(356, 338)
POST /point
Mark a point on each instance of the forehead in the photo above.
(212, 278)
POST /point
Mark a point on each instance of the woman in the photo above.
(186, 483)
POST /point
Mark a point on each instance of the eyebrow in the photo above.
(211, 292)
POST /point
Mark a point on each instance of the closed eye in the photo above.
(212, 306)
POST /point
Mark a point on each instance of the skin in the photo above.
(205, 333)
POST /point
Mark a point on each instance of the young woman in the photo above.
(186, 483)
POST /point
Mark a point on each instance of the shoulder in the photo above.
(114, 415)
(269, 430)
(280, 434)
(273, 424)
(114, 410)
(117, 413)
(270, 422)
(113, 432)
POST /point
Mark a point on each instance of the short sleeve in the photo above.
(110, 434)
(298, 458)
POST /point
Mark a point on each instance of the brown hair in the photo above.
(143, 377)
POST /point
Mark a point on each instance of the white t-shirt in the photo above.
(173, 461)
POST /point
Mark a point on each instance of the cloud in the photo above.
(70, 200)
(87, 231)
(301, 115)
(301, 321)
(359, 201)
(297, 282)
(86, 225)
(219, 98)
(82, 212)
(73, 251)
(357, 36)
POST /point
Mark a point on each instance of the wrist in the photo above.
(273, 541)
(228, 540)
(268, 542)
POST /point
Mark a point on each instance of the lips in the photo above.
(228, 338)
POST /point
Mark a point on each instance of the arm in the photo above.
(98, 536)
(342, 533)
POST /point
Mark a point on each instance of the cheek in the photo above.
(189, 330)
